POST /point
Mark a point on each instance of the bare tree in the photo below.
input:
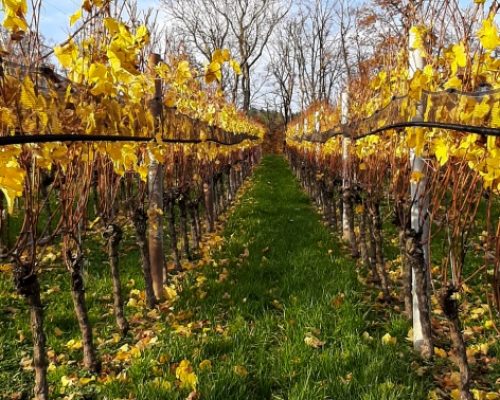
(200, 24)
(316, 51)
(251, 24)
(283, 68)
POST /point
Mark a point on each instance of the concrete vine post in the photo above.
(155, 190)
(417, 237)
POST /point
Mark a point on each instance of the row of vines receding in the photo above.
(419, 205)
(152, 153)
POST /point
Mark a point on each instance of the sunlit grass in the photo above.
(271, 285)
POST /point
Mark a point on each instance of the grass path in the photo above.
(278, 314)
(292, 283)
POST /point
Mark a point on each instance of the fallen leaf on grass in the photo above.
(337, 301)
(74, 344)
(86, 381)
(161, 383)
(184, 372)
(6, 268)
(313, 341)
(387, 339)
(347, 379)
(240, 370)
(206, 365)
(439, 352)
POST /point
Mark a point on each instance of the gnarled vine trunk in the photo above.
(140, 226)
(416, 261)
(28, 286)
(450, 310)
(113, 235)
(74, 263)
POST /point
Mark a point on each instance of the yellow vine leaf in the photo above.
(488, 34)
(112, 25)
(453, 83)
(15, 15)
(459, 57)
(66, 54)
(481, 110)
(88, 4)
(91, 123)
(97, 72)
(495, 115)
(28, 97)
(221, 56)
(419, 33)
(235, 65)
(184, 372)
(75, 17)
(183, 72)
(441, 152)
(419, 141)
(142, 35)
(170, 98)
(12, 187)
(213, 72)
(416, 176)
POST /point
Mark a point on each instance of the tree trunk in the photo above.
(350, 236)
(340, 203)
(114, 235)
(371, 247)
(399, 222)
(416, 261)
(27, 285)
(333, 211)
(173, 234)
(450, 310)
(374, 209)
(232, 183)
(195, 223)
(245, 85)
(363, 246)
(209, 204)
(183, 215)
(407, 284)
(74, 264)
(140, 225)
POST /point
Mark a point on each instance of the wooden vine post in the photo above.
(155, 190)
(417, 237)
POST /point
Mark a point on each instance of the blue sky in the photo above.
(54, 23)
(55, 16)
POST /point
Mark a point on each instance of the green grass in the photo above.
(276, 279)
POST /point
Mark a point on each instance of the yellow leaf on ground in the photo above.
(387, 339)
(313, 341)
(240, 370)
(439, 352)
(186, 376)
(206, 365)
